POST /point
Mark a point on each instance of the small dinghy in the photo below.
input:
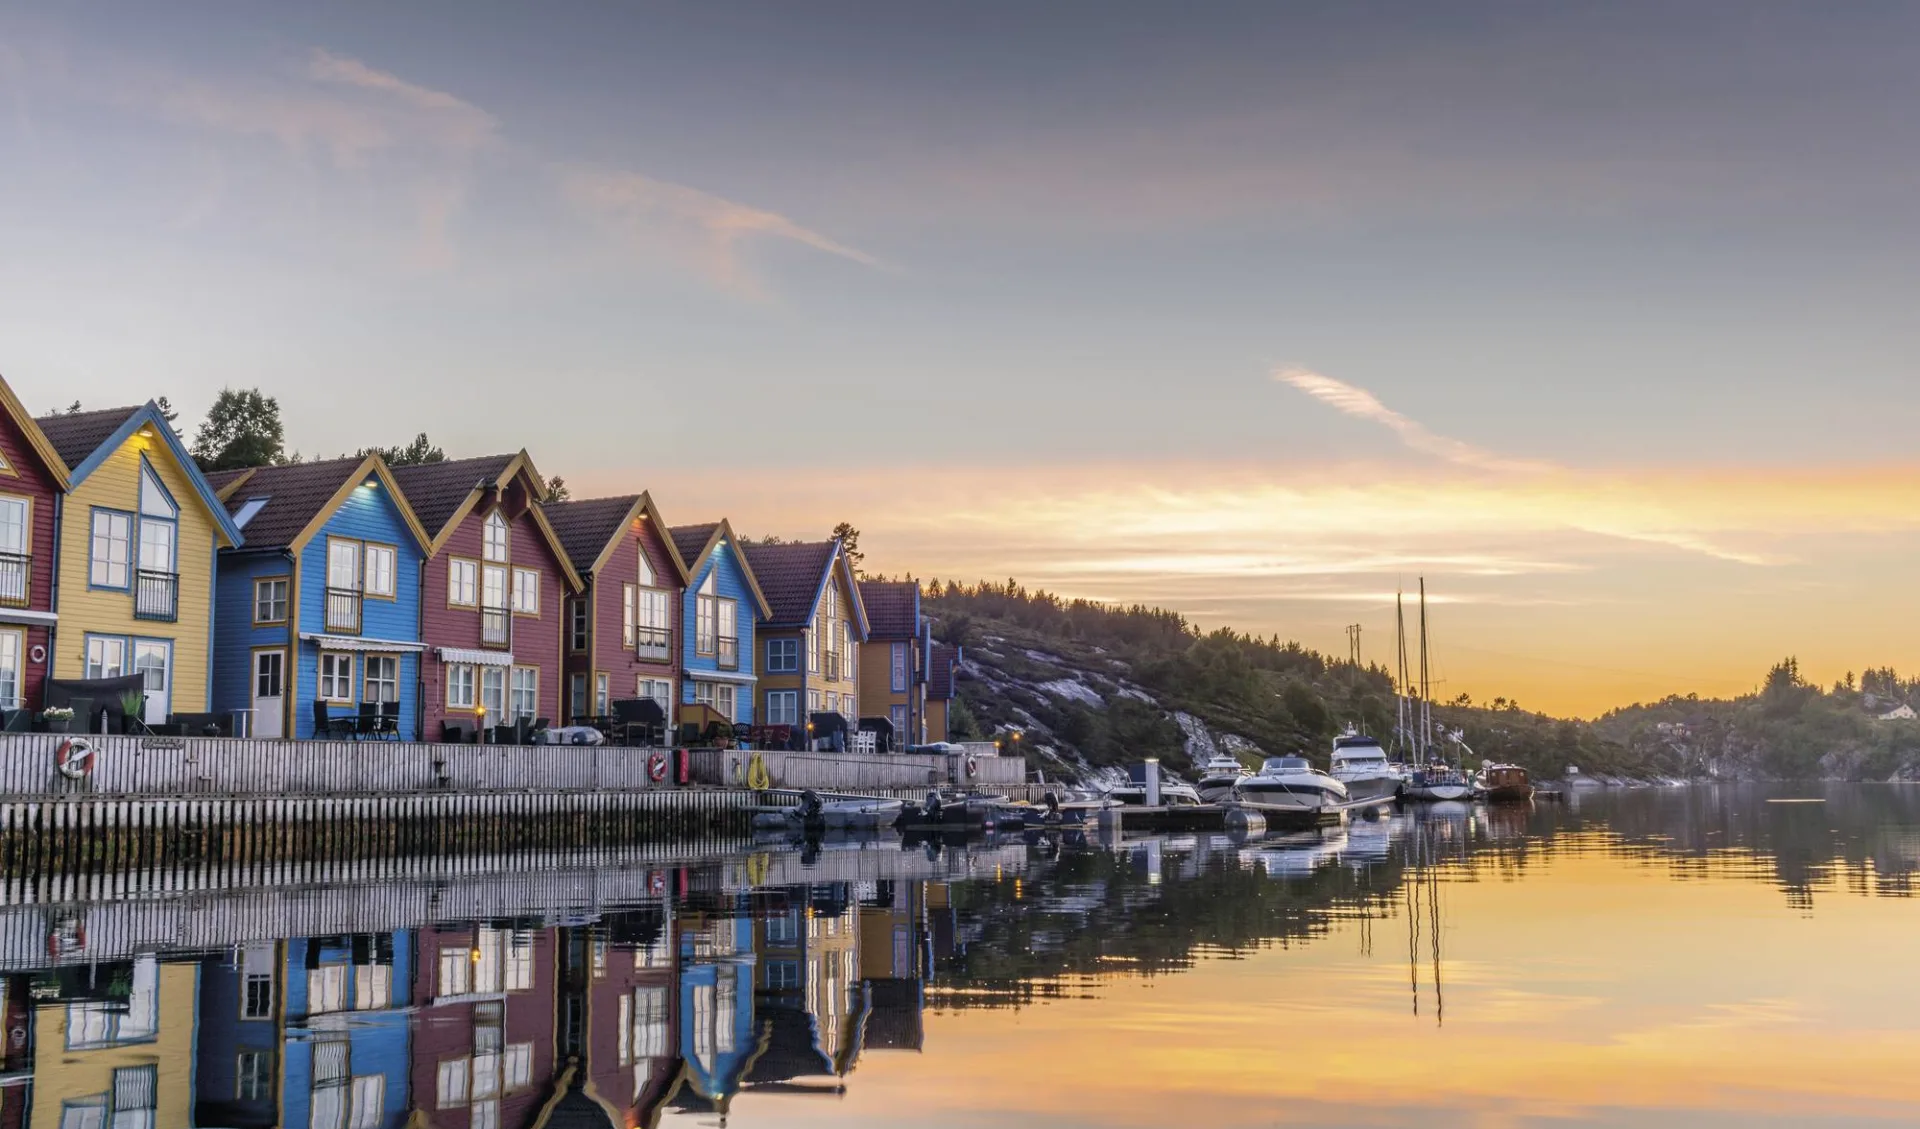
(815, 814)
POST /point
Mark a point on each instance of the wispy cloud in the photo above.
(704, 229)
(454, 120)
(1362, 404)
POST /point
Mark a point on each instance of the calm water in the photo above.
(1697, 957)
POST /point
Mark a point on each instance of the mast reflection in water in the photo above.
(1621, 960)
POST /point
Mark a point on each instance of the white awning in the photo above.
(718, 676)
(359, 643)
(24, 615)
(477, 658)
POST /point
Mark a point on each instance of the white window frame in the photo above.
(496, 539)
(901, 672)
(493, 691)
(110, 530)
(629, 615)
(331, 681)
(526, 591)
(523, 693)
(463, 582)
(13, 653)
(783, 707)
(381, 567)
(463, 686)
(369, 680)
(284, 602)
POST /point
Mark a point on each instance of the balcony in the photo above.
(343, 610)
(496, 627)
(833, 667)
(653, 643)
(16, 579)
(728, 652)
(156, 595)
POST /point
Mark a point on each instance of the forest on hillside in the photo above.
(1284, 697)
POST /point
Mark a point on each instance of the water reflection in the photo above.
(684, 1001)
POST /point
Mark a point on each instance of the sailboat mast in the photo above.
(1402, 709)
(1426, 706)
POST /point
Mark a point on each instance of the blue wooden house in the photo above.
(720, 607)
(320, 611)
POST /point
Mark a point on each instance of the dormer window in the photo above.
(248, 511)
(646, 571)
(495, 539)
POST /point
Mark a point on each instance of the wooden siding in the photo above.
(445, 1030)
(27, 477)
(611, 656)
(936, 719)
(537, 641)
(63, 1074)
(730, 583)
(234, 635)
(84, 611)
(368, 515)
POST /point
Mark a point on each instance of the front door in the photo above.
(154, 659)
(269, 693)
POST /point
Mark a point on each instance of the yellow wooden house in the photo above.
(140, 531)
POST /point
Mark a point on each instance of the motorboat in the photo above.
(1361, 764)
(1218, 776)
(1506, 783)
(1292, 782)
(815, 814)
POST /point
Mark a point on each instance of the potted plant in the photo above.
(133, 703)
(58, 718)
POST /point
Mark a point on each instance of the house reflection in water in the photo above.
(503, 1024)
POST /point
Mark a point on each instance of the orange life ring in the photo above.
(657, 767)
(74, 758)
(973, 766)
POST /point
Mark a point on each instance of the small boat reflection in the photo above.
(1297, 855)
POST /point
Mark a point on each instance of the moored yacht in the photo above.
(1292, 782)
(1173, 794)
(1218, 777)
(1437, 782)
(1361, 764)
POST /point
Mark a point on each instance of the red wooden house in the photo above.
(495, 592)
(32, 479)
(623, 629)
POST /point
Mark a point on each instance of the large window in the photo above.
(493, 586)
(602, 694)
(783, 707)
(253, 1076)
(655, 622)
(336, 676)
(659, 689)
(706, 619)
(496, 541)
(526, 691)
(783, 656)
(382, 678)
(106, 657)
(381, 571)
(343, 564)
(577, 624)
(899, 668)
(16, 541)
(460, 686)
(270, 600)
(463, 582)
(629, 613)
(493, 691)
(112, 551)
(526, 591)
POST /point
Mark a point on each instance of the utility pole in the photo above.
(1353, 643)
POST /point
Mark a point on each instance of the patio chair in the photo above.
(326, 726)
(390, 721)
(640, 718)
(455, 733)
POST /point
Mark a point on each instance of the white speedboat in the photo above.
(1292, 782)
(1361, 764)
(1437, 783)
(1218, 777)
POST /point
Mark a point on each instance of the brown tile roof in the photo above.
(691, 539)
(295, 494)
(790, 576)
(585, 527)
(220, 479)
(435, 490)
(893, 608)
(79, 434)
(941, 660)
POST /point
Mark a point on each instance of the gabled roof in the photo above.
(893, 608)
(87, 439)
(590, 529)
(442, 494)
(299, 499)
(35, 435)
(795, 574)
(695, 543)
(941, 659)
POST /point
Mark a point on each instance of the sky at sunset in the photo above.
(1599, 317)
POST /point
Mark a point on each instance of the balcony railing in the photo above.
(156, 595)
(729, 652)
(652, 643)
(16, 579)
(343, 610)
(496, 627)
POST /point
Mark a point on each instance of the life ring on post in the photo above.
(973, 766)
(74, 758)
(657, 767)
